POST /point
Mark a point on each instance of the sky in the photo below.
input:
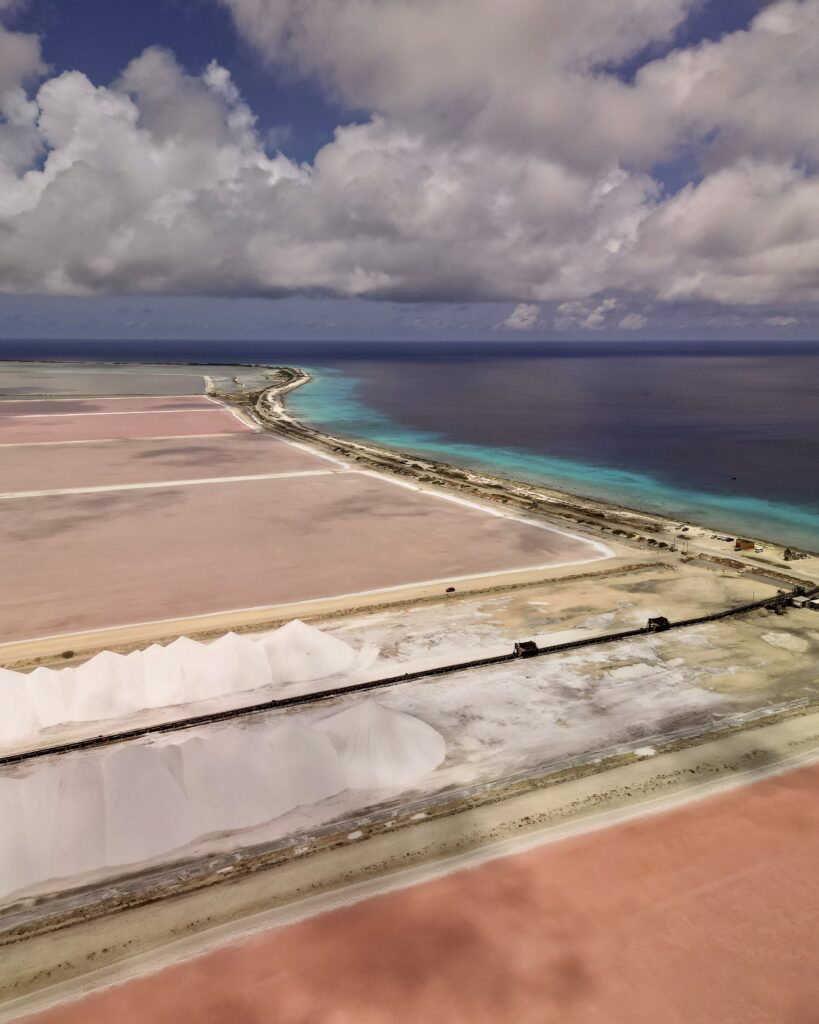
(411, 169)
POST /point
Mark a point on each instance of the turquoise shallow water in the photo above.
(333, 401)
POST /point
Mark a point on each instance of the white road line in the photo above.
(131, 412)
(64, 371)
(9, 399)
(197, 482)
(318, 454)
(119, 440)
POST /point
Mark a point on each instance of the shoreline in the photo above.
(567, 494)
(270, 409)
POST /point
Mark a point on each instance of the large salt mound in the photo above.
(180, 673)
(298, 653)
(138, 802)
(230, 781)
(146, 812)
(16, 867)
(49, 693)
(131, 804)
(17, 717)
(104, 687)
(88, 814)
(241, 663)
(381, 748)
(305, 762)
(111, 686)
(64, 808)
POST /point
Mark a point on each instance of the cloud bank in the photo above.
(504, 159)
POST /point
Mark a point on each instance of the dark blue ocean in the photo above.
(724, 434)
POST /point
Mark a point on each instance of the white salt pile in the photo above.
(18, 719)
(83, 814)
(100, 811)
(146, 811)
(381, 748)
(786, 641)
(237, 779)
(298, 653)
(306, 763)
(111, 686)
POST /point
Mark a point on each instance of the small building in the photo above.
(812, 605)
(526, 649)
(744, 545)
(658, 624)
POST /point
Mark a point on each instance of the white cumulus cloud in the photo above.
(633, 322)
(160, 183)
(581, 315)
(507, 162)
(524, 317)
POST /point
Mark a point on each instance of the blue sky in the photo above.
(197, 31)
(639, 255)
